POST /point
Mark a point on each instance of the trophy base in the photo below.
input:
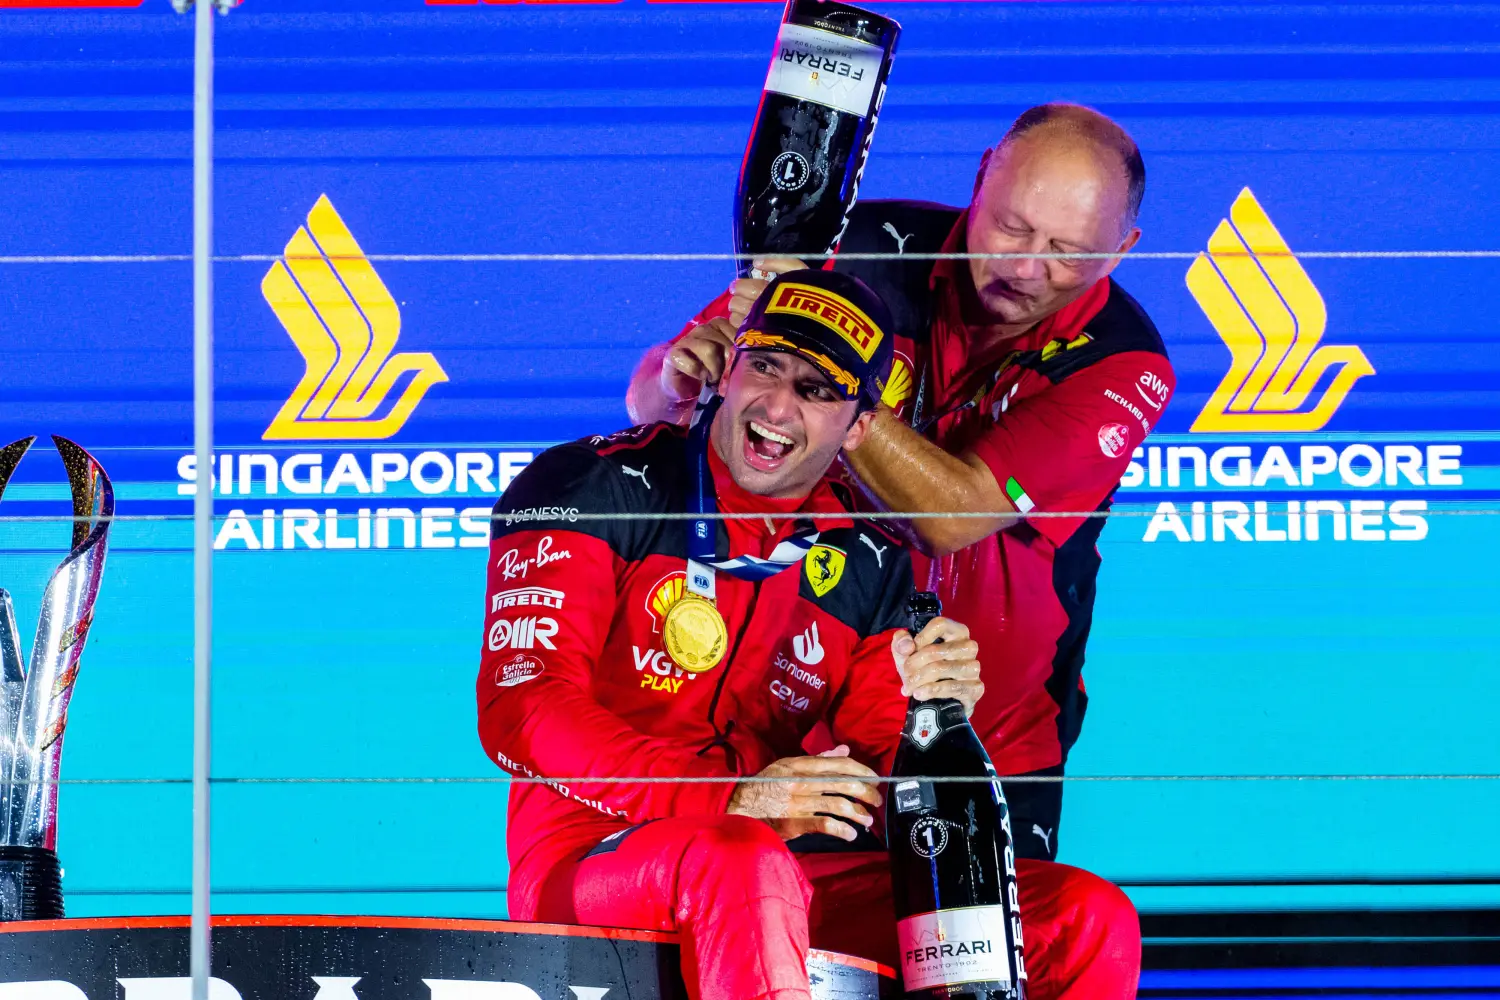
(30, 884)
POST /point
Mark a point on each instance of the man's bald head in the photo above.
(1053, 203)
(1115, 148)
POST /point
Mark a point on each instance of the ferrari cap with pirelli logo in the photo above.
(833, 320)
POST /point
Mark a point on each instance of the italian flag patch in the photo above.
(1018, 496)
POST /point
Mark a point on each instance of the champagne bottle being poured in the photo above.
(812, 132)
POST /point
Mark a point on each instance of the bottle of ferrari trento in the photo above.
(812, 132)
(953, 869)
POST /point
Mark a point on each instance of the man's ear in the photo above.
(734, 359)
(1130, 240)
(855, 436)
(984, 167)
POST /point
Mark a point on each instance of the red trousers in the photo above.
(746, 910)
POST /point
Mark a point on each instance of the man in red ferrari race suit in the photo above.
(576, 683)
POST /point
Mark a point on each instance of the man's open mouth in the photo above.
(766, 447)
(1005, 290)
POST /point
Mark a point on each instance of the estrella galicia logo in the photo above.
(340, 316)
(1271, 317)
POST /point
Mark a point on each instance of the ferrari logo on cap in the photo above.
(833, 311)
(824, 566)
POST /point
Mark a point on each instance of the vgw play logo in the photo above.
(345, 323)
(1271, 316)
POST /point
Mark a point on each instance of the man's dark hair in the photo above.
(1098, 129)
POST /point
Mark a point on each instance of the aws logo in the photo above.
(1271, 317)
(344, 321)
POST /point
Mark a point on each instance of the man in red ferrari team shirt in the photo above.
(1020, 386)
(602, 661)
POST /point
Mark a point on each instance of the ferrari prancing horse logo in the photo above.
(824, 566)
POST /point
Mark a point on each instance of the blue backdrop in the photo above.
(1227, 643)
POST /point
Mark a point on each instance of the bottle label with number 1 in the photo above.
(954, 946)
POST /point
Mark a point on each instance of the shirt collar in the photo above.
(957, 241)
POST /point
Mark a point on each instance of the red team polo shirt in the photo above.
(1055, 445)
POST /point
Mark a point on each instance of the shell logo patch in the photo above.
(901, 386)
(664, 593)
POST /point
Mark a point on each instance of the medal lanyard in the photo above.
(922, 425)
(702, 561)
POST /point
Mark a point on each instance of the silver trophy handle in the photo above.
(12, 666)
(12, 683)
(39, 716)
(12, 679)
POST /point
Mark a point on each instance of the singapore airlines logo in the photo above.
(344, 321)
(1271, 317)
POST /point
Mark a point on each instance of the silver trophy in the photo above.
(34, 700)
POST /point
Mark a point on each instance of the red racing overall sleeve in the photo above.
(1065, 449)
(643, 383)
(553, 585)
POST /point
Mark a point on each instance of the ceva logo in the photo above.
(1271, 317)
(344, 321)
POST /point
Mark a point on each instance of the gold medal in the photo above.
(694, 634)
